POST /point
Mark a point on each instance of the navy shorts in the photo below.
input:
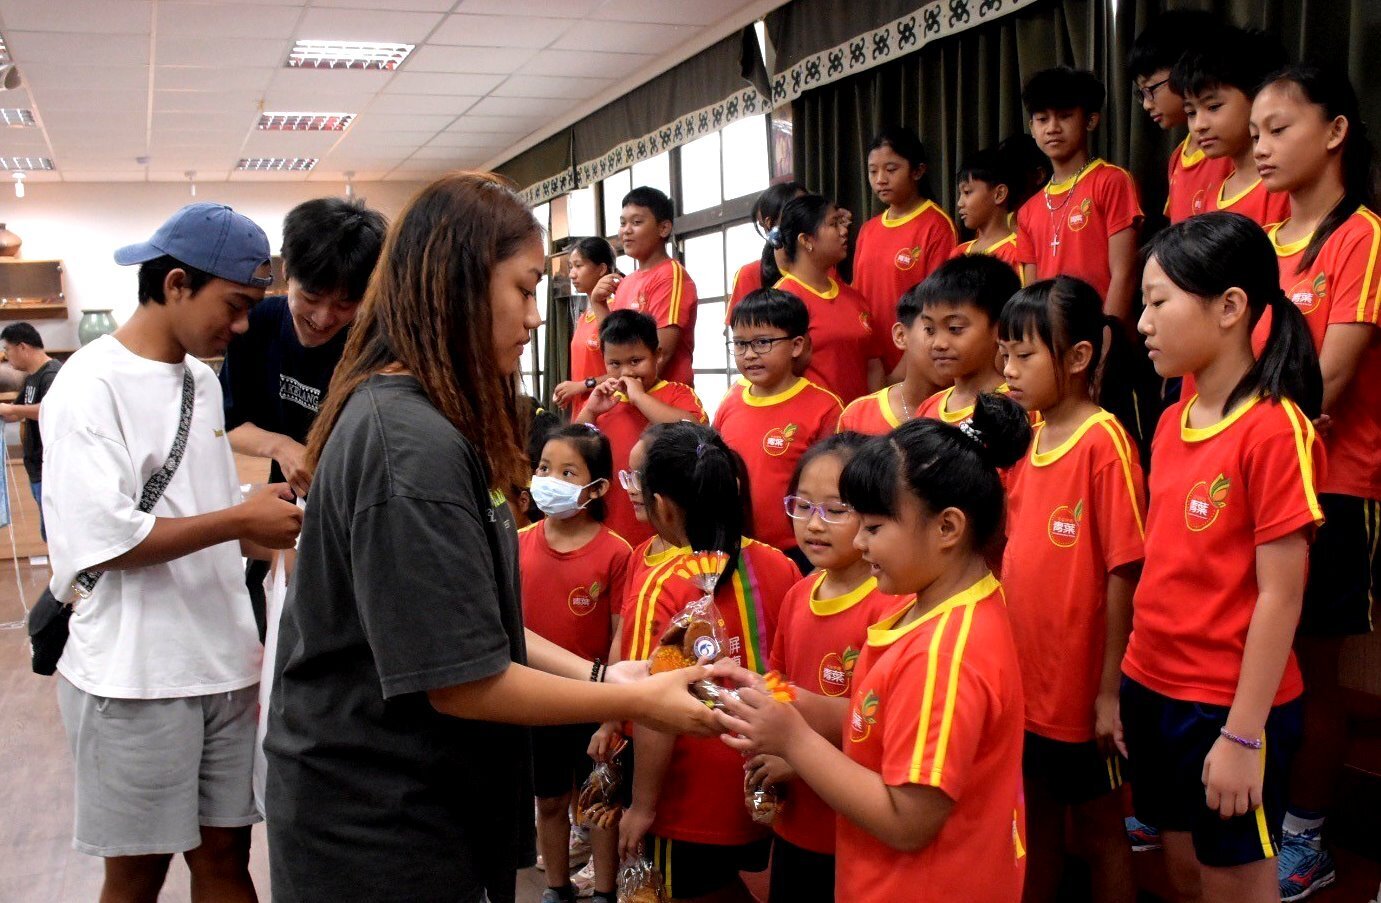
(1343, 568)
(559, 760)
(698, 869)
(1167, 742)
(1073, 773)
(800, 875)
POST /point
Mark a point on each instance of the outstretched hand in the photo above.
(755, 724)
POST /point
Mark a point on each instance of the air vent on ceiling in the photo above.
(348, 55)
(305, 122)
(276, 164)
(25, 164)
(15, 118)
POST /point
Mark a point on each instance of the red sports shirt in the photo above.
(871, 415)
(623, 424)
(842, 336)
(646, 572)
(1193, 179)
(771, 433)
(571, 597)
(702, 796)
(747, 280)
(586, 358)
(891, 255)
(1074, 513)
(665, 293)
(1005, 251)
(1343, 286)
(817, 646)
(1064, 229)
(936, 407)
(1262, 206)
(1217, 493)
(937, 702)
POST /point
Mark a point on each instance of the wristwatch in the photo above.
(591, 382)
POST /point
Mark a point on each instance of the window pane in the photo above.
(710, 350)
(742, 244)
(580, 211)
(745, 150)
(655, 172)
(615, 187)
(625, 264)
(700, 174)
(711, 388)
(704, 260)
(542, 213)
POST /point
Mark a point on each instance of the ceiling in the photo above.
(182, 82)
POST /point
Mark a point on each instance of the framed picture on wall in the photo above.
(782, 143)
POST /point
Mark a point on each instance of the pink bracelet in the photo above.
(1240, 741)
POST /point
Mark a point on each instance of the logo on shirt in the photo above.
(778, 440)
(582, 601)
(638, 303)
(1079, 216)
(219, 433)
(1204, 501)
(864, 717)
(1308, 293)
(299, 393)
(1063, 527)
(837, 671)
(1199, 202)
(906, 258)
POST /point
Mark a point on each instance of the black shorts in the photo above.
(800, 875)
(1342, 568)
(697, 869)
(559, 760)
(1073, 773)
(1167, 742)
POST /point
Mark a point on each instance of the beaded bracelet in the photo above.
(1240, 741)
(597, 671)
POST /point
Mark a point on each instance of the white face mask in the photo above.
(556, 498)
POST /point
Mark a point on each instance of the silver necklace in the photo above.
(1052, 210)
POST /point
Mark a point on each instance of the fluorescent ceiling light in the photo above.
(25, 164)
(348, 55)
(17, 118)
(276, 164)
(305, 122)
(4, 51)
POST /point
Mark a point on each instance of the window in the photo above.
(742, 244)
(580, 211)
(700, 177)
(534, 359)
(615, 187)
(655, 172)
(745, 157)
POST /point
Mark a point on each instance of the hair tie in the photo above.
(700, 449)
(774, 237)
(592, 428)
(973, 432)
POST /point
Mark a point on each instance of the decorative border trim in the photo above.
(932, 21)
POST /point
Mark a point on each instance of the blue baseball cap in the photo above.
(210, 237)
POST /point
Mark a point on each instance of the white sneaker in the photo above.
(584, 880)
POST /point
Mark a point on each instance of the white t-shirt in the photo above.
(184, 628)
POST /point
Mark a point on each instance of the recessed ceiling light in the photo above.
(4, 51)
(276, 164)
(305, 122)
(348, 55)
(25, 164)
(17, 118)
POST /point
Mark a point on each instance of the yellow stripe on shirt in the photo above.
(1369, 293)
(928, 698)
(646, 607)
(674, 312)
(951, 695)
(1304, 450)
(1122, 444)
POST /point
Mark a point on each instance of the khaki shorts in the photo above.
(150, 773)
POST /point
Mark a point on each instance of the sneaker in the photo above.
(1142, 836)
(579, 847)
(1304, 865)
(584, 880)
(554, 895)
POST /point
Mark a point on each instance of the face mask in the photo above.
(555, 497)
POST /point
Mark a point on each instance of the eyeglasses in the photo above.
(798, 508)
(759, 346)
(1141, 95)
(630, 480)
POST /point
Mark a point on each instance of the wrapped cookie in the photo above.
(640, 882)
(597, 804)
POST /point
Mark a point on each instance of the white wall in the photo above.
(82, 223)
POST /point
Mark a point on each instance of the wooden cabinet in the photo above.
(31, 290)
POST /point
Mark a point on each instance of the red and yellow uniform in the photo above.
(747, 280)
(771, 433)
(937, 407)
(1074, 513)
(1064, 230)
(871, 415)
(1256, 203)
(937, 703)
(1217, 493)
(570, 598)
(1005, 251)
(817, 646)
(1193, 179)
(587, 360)
(665, 293)
(891, 255)
(842, 336)
(645, 569)
(702, 797)
(623, 424)
(1343, 286)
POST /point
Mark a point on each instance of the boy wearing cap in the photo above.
(157, 679)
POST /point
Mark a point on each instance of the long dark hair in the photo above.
(1208, 254)
(427, 310)
(905, 143)
(802, 215)
(690, 466)
(598, 251)
(1329, 89)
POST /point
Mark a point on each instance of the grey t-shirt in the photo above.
(406, 581)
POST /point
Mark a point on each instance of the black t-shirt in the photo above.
(36, 385)
(271, 380)
(406, 581)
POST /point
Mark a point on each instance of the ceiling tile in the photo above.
(675, 12)
(227, 20)
(521, 107)
(553, 86)
(83, 78)
(201, 101)
(650, 38)
(332, 81)
(470, 124)
(267, 176)
(79, 49)
(328, 172)
(170, 137)
(437, 153)
(60, 121)
(426, 6)
(377, 141)
(476, 139)
(188, 78)
(76, 99)
(422, 103)
(569, 9)
(210, 119)
(405, 175)
(86, 16)
(443, 83)
(189, 50)
(589, 64)
(97, 175)
(289, 144)
(366, 25)
(395, 122)
(500, 31)
(283, 99)
(441, 58)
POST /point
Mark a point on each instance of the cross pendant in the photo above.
(1055, 244)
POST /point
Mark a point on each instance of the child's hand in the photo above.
(754, 723)
(768, 771)
(1106, 729)
(602, 399)
(726, 669)
(604, 740)
(604, 289)
(566, 391)
(633, 828)
(633, 388)
(1232, 778)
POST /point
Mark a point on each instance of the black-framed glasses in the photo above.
(630, 481)
(1141, 95)
(798, 508)
(760, 346)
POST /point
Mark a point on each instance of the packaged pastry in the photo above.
(597, 804)
(640, 882)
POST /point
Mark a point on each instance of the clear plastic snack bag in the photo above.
(597, 805)
(641, 882)
(697, 632)
(764, 801)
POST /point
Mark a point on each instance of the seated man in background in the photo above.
(23, 348)
(276, 374)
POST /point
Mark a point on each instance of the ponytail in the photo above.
(803, 215)
(690, 466)
(771, 273)
(1288, 366)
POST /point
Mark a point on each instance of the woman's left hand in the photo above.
(1232, 778)
(754, 723)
